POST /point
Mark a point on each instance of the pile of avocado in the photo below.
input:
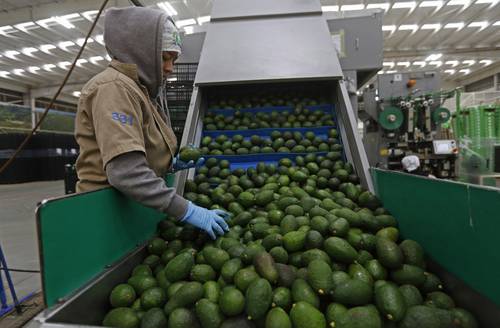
(299, 117)
(277, 142)
(265, 99)
(307, 248)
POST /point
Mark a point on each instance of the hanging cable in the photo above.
(59, 90)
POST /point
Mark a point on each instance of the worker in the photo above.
(123, 124)
(411, 164)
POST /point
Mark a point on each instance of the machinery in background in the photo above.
(403, 115)
(477, 130)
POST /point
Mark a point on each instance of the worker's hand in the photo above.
(178, 164)
(212, 221)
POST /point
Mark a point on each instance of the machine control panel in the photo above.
(444, 147)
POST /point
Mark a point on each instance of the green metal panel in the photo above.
(80, 235)
(458, 224)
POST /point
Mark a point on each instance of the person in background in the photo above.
(123, 123)
(411, 164)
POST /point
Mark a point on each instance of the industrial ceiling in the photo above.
(39, 39)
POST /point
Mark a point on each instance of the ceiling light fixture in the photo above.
(203, 19)
(433, 57)
(419, 63)
(4, 29)
(352, 7)
(185, 22)
(482, 25)
(107, 58)
(76, 93)
(497, 23)
(404, 5)
(391, 72)
(388, 28)
(33, 69)
(432, 3)
(89, 15)
(95, 59)
(64, 20)
(64, 45)
(81, 61)
(18, 71)
(465, 3)
(4, 74)
(188, 29)
(64, 64)
(99, 38)
(49, 67)
(453, 63)
(405, 64)
(449, 71)
(491, 2)
(458, 26)
(408, 27)
(329, 8)
(390, 64)
(469, 62)
(435, 27)
(11, 54)
(168, 8)
(465, 71)
(29, 50)
(384, 5)
(81, 40)
(24, 26)
(47, 47)
(486, 62)
(436, 63)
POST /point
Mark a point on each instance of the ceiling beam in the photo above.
(486, 51)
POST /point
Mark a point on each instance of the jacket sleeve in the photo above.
(130, 174)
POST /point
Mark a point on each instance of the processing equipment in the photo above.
(403, 115)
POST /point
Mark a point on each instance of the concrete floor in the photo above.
(18, 235)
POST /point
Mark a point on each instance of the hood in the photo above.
(133, 35)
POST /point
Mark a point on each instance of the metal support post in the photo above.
(3, 299)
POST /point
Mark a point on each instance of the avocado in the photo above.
(181, 318)
(360, 317)
(142, 283)
(121, 317)
(211, 291)
(154, 318)
(230, 268)
(282, 297)
(319, 276)
(294, 241)
(420, 316)
(333, 313)
(208, 313)
(258, 298)
(187, 154)
(202, 273)
(413, 253)
(352, 292)
(389, 253)
(302, 291)
(216, 257)
(123, 295)
(244, 277)
(153, 297)
(231, 301)
(409, 274)
(340, 250)
(390, 302)
(277, 318)
(186, 296)
(304, 315)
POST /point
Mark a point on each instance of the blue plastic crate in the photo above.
(326, 108)
(251, 160)
(321, 132)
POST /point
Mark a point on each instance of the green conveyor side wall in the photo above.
(457, 224)
(83, 234)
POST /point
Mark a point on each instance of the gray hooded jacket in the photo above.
(134, 35)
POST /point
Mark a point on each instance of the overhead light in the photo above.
(77, 93)
(45, 23)
(435, 27)
(24, 26)
(390, 64)
(33, 69)
(391, 72)
(172, 79)
(486, 62)
(453, 63)
(4, 74)
(4, 29)
(380, 72)
(408, 27)
(64, 64)
(29, 50)
(18, 71)
(185, 22)
(458, 26)
(64, 20)
(329, 8)
(481, 25)
(419, 63)
(203, 19)
(81, 61)
(432, 3)
(404, 5)
(449, 71)
(492, 2)
(81, 40)
(352, 7)
(99, 38)
(47, 47)
(497, 23)
(168, 8)
(384, 5)
(107, 58)
(433, 57)
(465, 3)
(405, 64)
(390, 28)
(465, 71)
(48, 67)
(469, 62)
(95, 59)
(64, 45)
(89, 15)
(188, 29)
(11, 54)
(436, 63)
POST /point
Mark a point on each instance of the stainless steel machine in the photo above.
(403, 115)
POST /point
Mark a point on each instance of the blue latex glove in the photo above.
(212, 221)
(178, 165)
